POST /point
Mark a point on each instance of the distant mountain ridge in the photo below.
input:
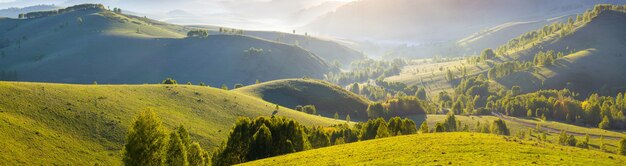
(435, 20)
(14, 12)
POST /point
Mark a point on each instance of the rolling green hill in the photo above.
(327, 98)
(85, 124)
(446, 149)
(593, 61)
(108, 47)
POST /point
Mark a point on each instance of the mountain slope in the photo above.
(594, 65)
(327, 49)
(499, 35)
(85, 124)
(446, 149)
(327, 98)
(113, 48)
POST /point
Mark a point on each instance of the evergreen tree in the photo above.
(184, 135)
(336, 116)
(421, 93)
(261, 144)
(424, 127)
(196, 156)
(439, 127)
(605, 124)
(499, 127)
(176, 151)
(382, 132)
(318, 138)
(348, 118)
(450, 122)
(145, 141)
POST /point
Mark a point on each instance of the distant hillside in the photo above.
(499, 35)
(60, 124)
(327, 49)
(99, 45)
(446, 149)
(597, 48)
(14, 12)
(327, 98)
(436, 20)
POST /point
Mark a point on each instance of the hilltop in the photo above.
(446, 149)
(85, 124)
(327, 98)
(110, 47)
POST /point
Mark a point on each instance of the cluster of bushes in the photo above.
(451, 124)
(378, 128)
(198, 33)
(256, 51)
(546, 58)
(147, 143)
(40, 14)
(504, 69)
(231, 31)
(365, 70)
(384, 90)
(400, 106)
(309, 109)
(267, 137)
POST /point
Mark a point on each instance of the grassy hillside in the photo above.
(499, 35)
(446, 149)
(597, 53)
(85, 124)
(551, 128)
(327, 98)
(114, 48)
(325, 48)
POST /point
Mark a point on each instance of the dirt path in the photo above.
(548, 129)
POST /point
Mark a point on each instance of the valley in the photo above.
(357, 82)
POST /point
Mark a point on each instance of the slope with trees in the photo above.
(86, 124)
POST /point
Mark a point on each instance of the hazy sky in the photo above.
(248, 14)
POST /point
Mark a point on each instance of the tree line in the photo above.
(40, 14)
(266, 137)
